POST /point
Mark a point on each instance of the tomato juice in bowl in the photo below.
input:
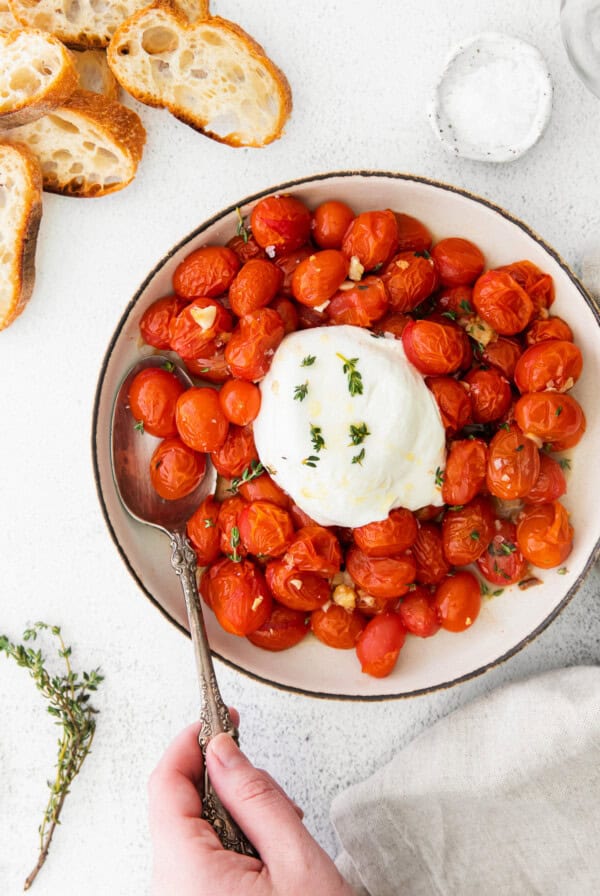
(506, 621)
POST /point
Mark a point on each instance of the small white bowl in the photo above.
(493, 99)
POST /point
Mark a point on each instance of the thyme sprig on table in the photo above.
(68, 701)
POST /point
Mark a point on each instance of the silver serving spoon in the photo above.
(130, 458)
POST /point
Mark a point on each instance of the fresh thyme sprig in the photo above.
(300, 392)
(139, 426)
(355, 383)
(358, 458)
(68, 701)
(311, 461)
(439, 477)
(255, 469)
(234, 541)
(242, 228)
(316, 438)
(358, 433)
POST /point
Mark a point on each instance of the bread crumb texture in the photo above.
(7, 20)
(94, 72)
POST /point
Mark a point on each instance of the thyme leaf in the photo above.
(242, 228)
(252, 472)
(358, 433)
(316, 438)
(308, 361)
(355, 383)
(301, 391)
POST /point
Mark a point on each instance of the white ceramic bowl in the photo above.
(507, 622)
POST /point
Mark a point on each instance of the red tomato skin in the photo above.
(467, 532)
(409, 279)
(380, 643)
(536, 283)
(255, 285)
(212, 366)
(545, 535)
(550, 484)
(315, 549)
(548, 328)
(228, 520)
(240, 401)
(513, 464)
(239, 596)
(283, 629)
(490, 393)
(381, 576)
(552, 364)
(288, 262)
(456, 299)
(208, 272)
(155, 322)
(201, 423)
(251, 348)
(372, 237)
(263, 488)
(418, 613)
(434, 348)
(203, 532)
(361, 305)
(286, 309)
(319, 276)
(502, 303)
(337, 627)
(237, 452)
(266, 530)
(413, 235)
(503, 563)
(453, 401)
(503, 354)
(458, 601)
(280, 222)
(428, 551)
(300, 518)
(153, 395)
(197, 326)
(552, 417)
(464, 476)
(393, 535)
(330, 222)
(459, 261)
(175, 469)
(393, 323)
(295, 588)
(245, 249)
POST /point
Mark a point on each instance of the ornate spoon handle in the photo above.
(213, 713)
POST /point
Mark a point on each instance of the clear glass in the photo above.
(580, 26)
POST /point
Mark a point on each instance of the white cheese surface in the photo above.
(395, 463)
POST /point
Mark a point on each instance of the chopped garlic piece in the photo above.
(356, 269)
(204, 317)
(478, 329)
(345, 597)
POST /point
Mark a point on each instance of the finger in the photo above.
(299, 812)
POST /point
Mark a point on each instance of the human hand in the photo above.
(188, 857)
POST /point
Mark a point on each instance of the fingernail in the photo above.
(226, 751)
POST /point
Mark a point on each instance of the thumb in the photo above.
(259, 806)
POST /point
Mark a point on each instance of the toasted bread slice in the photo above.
(90, 146)
(94, 73)
(37, 74)
(7, 20)
(20, 215)
(210, 74)
(88, 23)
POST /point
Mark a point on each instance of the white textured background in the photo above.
(361, 76)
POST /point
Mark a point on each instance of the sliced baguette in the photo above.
(210, 74)
(36, 75)
(20, 215)
(88, 147)
(94, 73)
(88, 24)
(7, 20)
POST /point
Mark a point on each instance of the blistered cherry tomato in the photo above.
(372, 237)
(459, 261)
(315, 549)
(297, 589)
(550, 484)
(435, 348)
(545, 534)
(265, 529)
(360, 305)
(428, 551)
(319, 276)
(206, 272)
(380, 643)
(453, 401)
(458, 300)
(418, 613)
(337, 627)
(262, 488)
(251, 348)
(176, 470)
(239, 596)
(466, 532)
(288, 264)
(300, 517)
(502, 354)
(409, 278)
(502, 303)
(245, 249)
(201, 423)
(281, 222)
(155, 322)
(458, 601)
(240, 401)
(513, 464)
(393, 535)
(255, 285)
(330, 222)
(381, 576)
(203, 532)
(211, 365)
(552, 364)
(490, 394)
(393, 323)
(537, 285)
(197, 326)
(310, 317)
(464, 475)
(237, 452)
(229, 538)
(283, 629)
(372, 606)
(548, 328)
(153, 395)
(413, 236)
(503, 563)
(551, 417)
(286, 309)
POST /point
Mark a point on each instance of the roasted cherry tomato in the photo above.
(300, 518)
(229, 538)
(459, 261)
(409, 278)
(315, 549)
(206, 272)
(464, 476)
(503, 563)
(201, 423)
(211, 366)
(240, 401)
(176, 470)
(239, 596)
(428, 551)
(380, 643)
(502, 303)
(288, 264)
(548, 328)
(245, 248)
(393, 535)
(502, 354)
(330, 222)
(551, 417)
(203, 532)
(545, 534)
(372, 237)
(372, 606)
(550, 484)
(393, 323)
(360, 305)
(286, 309)
(435, 348)
(381, 576)
(155, 322)
(250, 350)
(513, 464)
(236, 454)
(262, 488)
(318, 277)
(197, 326)
(537, 285)
(490, 394)
(153, 395)
(466, 532)
(265, 529)
(458, 601)
(418, 613)
(283, 629)
(296, 588)
(413, 236)
(337, 627)
(552, 364)
(453, 401)
(280, 223)
(310, 317)
(255, 285)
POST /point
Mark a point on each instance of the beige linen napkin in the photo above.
(501, 798)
